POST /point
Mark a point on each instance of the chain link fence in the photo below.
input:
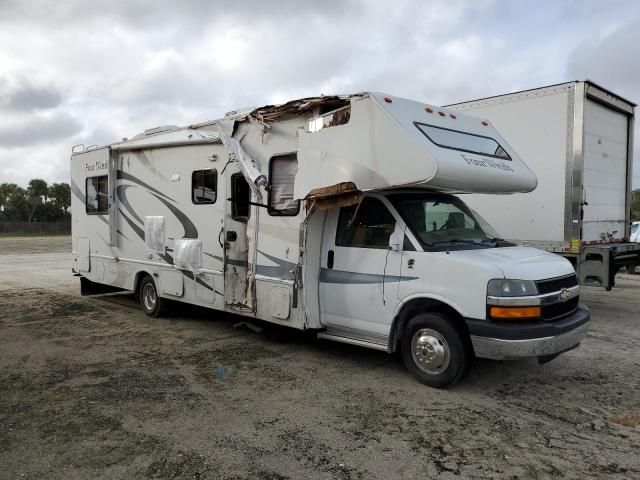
(36, 228)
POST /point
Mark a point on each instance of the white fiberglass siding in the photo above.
(605, 172)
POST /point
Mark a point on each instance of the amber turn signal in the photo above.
(515, 313)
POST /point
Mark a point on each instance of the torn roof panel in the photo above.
(318, 105)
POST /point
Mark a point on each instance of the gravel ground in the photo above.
(91, 388)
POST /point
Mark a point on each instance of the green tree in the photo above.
(37, 194)
(16, 205)
(6, 189)
(60, 196)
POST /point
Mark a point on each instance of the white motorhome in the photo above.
(578, 139)
(336, 214)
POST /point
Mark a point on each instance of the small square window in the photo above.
(97, 195)
(204, 186)
(282, 174)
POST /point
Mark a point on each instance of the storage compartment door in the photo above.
(605, 172)
(84, 257)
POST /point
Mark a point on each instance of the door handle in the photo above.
(220, 237)
(330, 255)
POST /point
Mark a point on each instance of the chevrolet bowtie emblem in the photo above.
(564, 294)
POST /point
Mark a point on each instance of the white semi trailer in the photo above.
(578, 139)
(335, 214)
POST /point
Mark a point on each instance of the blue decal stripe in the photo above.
(127, 176)
(340, 276)
(282, 270)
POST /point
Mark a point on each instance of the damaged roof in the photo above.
(321, 104)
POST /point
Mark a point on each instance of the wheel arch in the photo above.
(422, 304)
(137, 279)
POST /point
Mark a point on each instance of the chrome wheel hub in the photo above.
(430, 351)
(149, 297)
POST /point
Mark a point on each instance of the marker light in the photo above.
(515, 313)
(485, 123)
(388, 100)
(429, 110)
(452, 116)
(442, 114)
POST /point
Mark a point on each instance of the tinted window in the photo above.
(204, 185)
(368, 225)
(467, 142)
(282, 173)
(240, 197)
(97, 195)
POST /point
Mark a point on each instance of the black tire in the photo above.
(444, 350)
(152, 304)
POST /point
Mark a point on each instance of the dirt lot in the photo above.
(91, 388)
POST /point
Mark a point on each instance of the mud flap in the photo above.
(88, 288)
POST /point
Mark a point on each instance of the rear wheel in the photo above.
(152, 304)
(434, 351)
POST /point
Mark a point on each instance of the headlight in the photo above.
(502, 287)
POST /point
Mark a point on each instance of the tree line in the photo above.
(39, 202)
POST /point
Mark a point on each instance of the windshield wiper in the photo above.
(458, 240)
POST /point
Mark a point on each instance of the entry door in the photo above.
(236, 248)
(359, 273)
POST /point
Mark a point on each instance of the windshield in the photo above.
(442, 220)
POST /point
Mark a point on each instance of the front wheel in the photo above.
(152, 304)
(434, 351)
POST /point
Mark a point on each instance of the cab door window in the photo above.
(240, 198)
(367, 225)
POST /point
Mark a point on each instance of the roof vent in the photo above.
(162, 128)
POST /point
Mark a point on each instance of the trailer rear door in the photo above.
(605, 172)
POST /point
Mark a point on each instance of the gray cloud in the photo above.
(93, 72)
(38, 129)
(20, 94)
(610, 60)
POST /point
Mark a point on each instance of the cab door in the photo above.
(359, 273)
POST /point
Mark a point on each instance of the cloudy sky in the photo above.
(92, 72)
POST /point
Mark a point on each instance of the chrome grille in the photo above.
(557, 284)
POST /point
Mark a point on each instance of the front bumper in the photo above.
(510, 340)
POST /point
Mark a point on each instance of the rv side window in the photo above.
(369, 225)
(463, 141)
(204, 186)
(282, 173)
(240, 198)
(97, 195)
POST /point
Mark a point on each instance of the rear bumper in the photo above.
(508, 341)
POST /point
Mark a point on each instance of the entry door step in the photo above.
(352, 341)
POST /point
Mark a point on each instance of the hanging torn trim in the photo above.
(339, 195)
